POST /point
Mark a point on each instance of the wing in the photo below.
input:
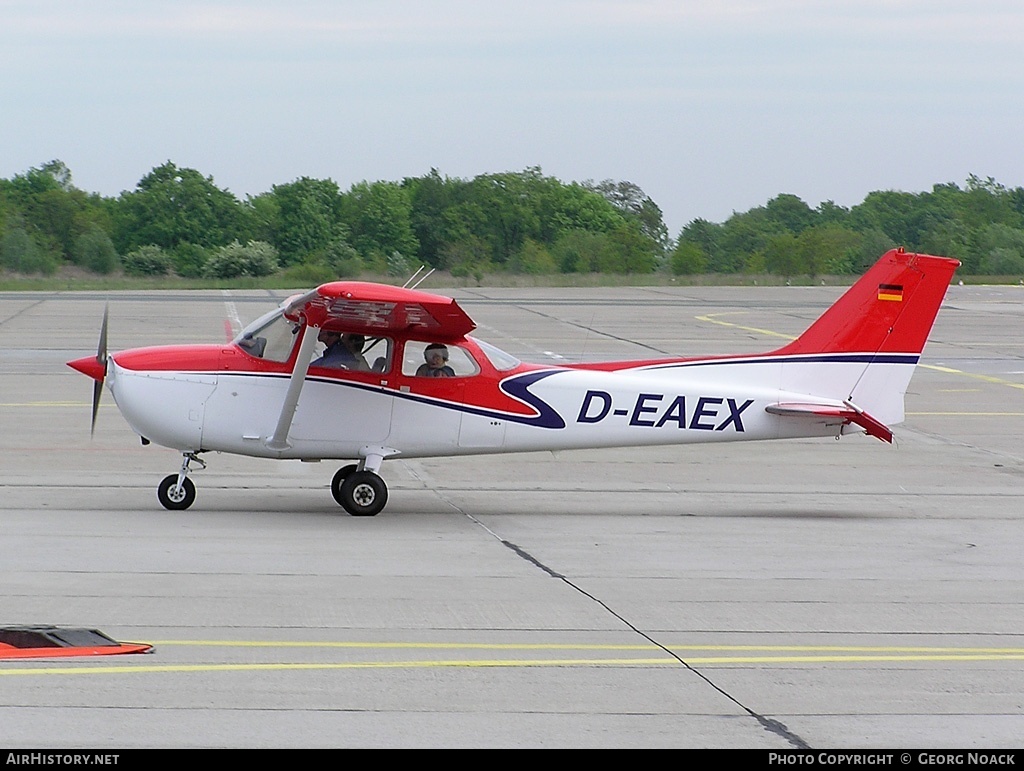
(379, 309)
(835, 414)
(370, 309)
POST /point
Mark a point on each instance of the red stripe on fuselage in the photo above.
(479, 391)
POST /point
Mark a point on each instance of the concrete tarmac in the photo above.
(802, 594)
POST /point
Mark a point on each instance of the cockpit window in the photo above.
(502, 361)
(270, 337)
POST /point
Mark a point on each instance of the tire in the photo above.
(339, 479)
(363, 494)
(173, 497)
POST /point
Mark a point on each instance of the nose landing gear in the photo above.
(177, 492)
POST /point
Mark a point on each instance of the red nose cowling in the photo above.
(91, 366)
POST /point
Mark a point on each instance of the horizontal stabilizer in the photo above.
(831, 413)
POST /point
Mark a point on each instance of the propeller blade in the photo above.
(101, 358)
(101, 348)
(97, 389)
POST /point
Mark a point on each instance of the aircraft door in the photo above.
(429, 395)
(342, 405)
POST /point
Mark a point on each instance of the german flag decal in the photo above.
(890, 292)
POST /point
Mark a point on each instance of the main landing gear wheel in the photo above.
(362, 493)
(339, 479)
(174, 496)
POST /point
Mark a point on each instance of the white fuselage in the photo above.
(568, 409)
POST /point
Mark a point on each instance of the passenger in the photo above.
(436, 365)
(343, 350)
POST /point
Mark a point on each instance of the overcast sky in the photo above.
(710, 106)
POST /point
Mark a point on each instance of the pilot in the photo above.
(343, 350)
(436, 365)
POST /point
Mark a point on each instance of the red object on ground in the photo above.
(42, 642)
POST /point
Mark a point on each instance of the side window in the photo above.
(378, 353)
(427, 359)
(353, 351)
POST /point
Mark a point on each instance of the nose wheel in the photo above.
(174, 496)
(361, 493)
(177, 492)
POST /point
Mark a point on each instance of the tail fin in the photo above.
(863, 350)
(891, 308)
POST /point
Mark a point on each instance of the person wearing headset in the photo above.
(436, 364)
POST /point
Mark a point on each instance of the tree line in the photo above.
(178, 221)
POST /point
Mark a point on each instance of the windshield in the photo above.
(270, 337)
(499, 359)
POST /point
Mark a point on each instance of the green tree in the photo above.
(508, 204)
(831, 213)
(706, 236)
(18, 252)
(742, 235)
(434, 202)
(783, 257)
(51, 209)
(1002, 262)
(788, 213)
(534, 258)
(889, 211)
(189, 260)
(997, 246)
(451, 218)
(379, 215)
(631, 201)
(986, 202)
(634, 253)
(827, 249)
(575, 207)
(94, 250)
(874, 243)
(305, 217)
(688, 259)
(581, 251)
(147, 260)
(469, 256)
(172, 206)
(256, 258)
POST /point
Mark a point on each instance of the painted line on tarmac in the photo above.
(984, 378)
(794, 654)
(425, 664)
(712, 319)
(968, 414)
(51, 405)
(233, 323)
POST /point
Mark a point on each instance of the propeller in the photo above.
(95, 367)
(101, 359)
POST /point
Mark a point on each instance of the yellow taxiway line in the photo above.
(737, 655)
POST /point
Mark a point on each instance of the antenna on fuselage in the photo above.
(413, 276)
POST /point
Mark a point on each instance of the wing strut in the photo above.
(279, 441)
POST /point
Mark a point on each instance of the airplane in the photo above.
(264, 395)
